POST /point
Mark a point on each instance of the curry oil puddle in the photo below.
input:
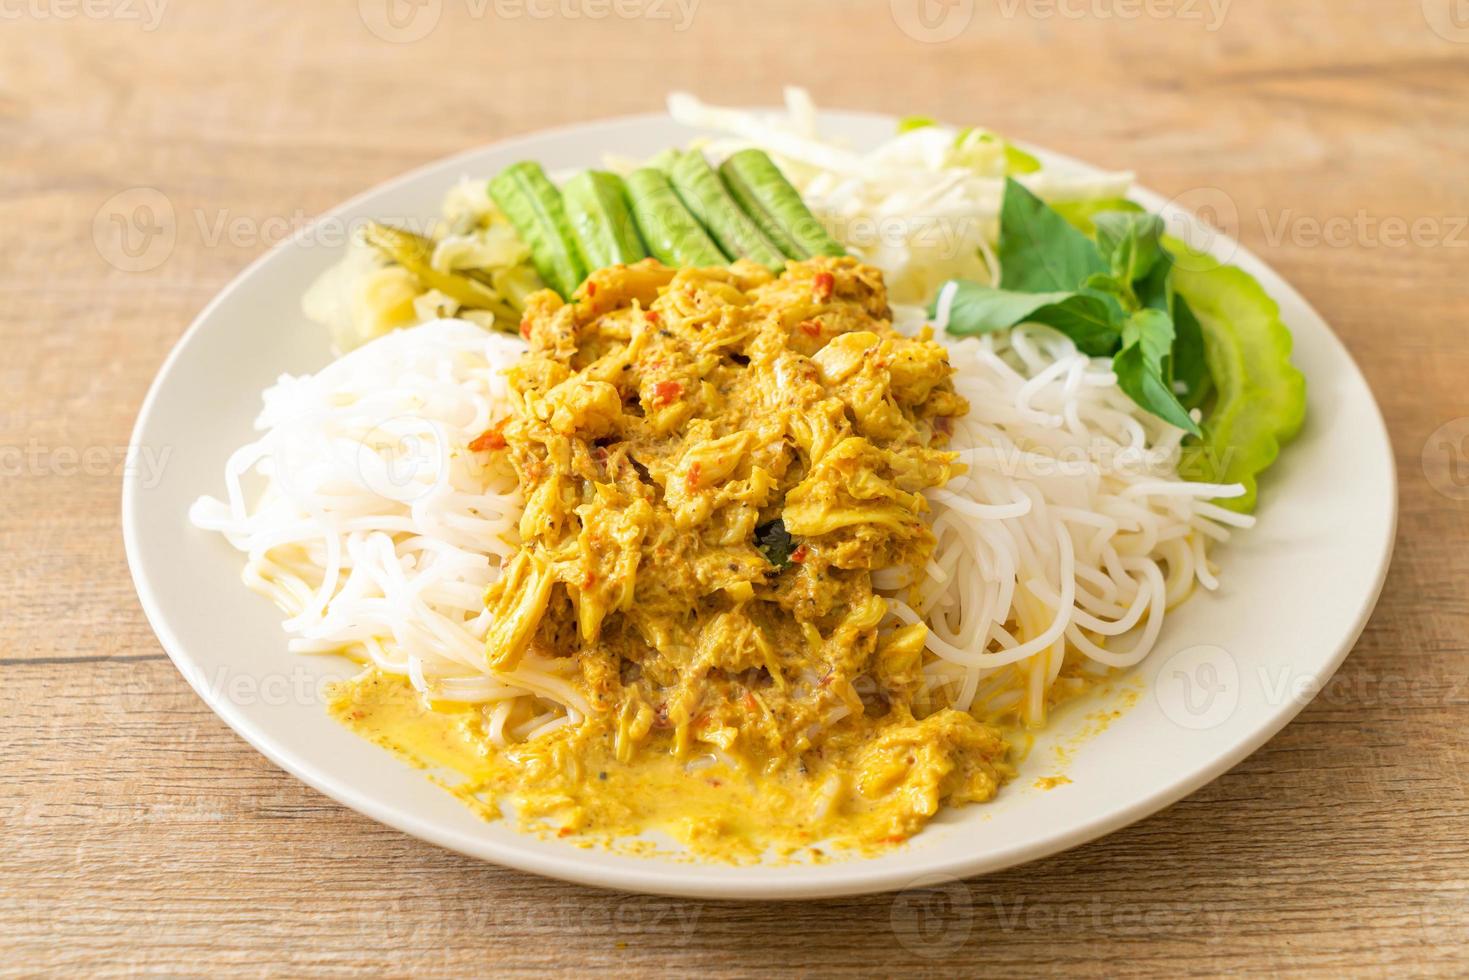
(1100, 703)
(715, 812)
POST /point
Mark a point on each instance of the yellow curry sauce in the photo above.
(714, 463)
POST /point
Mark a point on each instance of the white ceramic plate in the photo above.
(1231, 668)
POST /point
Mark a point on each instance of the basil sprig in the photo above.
(1111, 295)
(774, 542)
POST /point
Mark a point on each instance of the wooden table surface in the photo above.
(142, 834)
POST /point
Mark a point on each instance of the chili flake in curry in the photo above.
(714, 463)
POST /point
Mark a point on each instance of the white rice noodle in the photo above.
(1070, 533)
(363, 514)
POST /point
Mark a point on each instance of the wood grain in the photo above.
(140, 834)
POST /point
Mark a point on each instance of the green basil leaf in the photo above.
(1146, 387)
(1155, 290)
(1039, 251)
(774, 542)
(1187, 368)
(1129, 242)
(1190, 365)
(1092, 322)
(1112, 296)
(1141, 368)
(978, 309)
(1152, 330)
(1101, 282)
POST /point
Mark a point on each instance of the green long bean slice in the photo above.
(762, 190)
(700, 188)
(744, 196)
(534, 206)
(672, 234)
(601, 220)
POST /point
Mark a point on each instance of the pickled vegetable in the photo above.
(415, 253)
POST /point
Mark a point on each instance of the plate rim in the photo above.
(688, 880)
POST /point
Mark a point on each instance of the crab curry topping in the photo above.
(715, 463)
